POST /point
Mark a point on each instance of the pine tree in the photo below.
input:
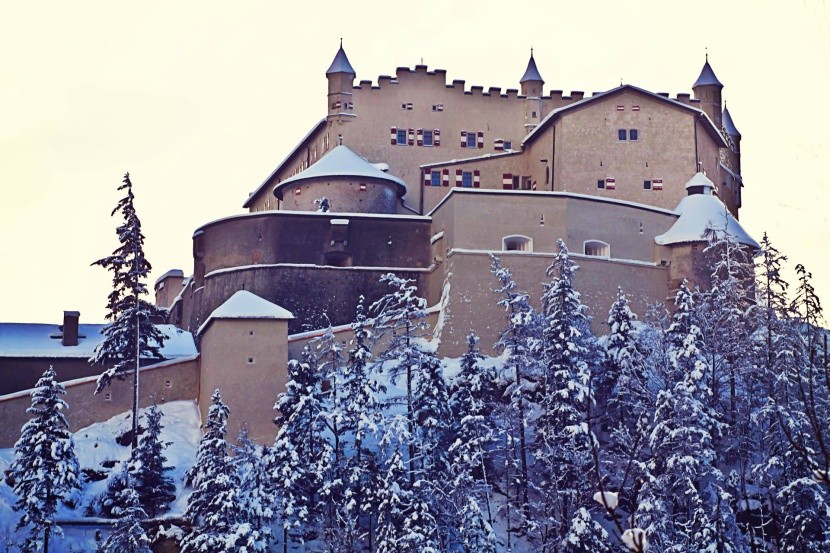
(128, 536)
(45, 469)
(130, 334)
(256, 496)
(301, 456)
(564, 437)
(625, 365)
(585, 535)
(213, 506)
(475, 533)
(154, 487)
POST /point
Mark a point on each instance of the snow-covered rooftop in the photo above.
(245, 305)
(701, 180)
(43, 341)
(343, 162)
(700, 216)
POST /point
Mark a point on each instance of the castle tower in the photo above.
(707, 89)
(532, 83)
(340, 76)
(734, 135)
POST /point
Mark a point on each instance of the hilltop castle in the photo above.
(427, 178)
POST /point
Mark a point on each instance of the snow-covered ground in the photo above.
(98, 450)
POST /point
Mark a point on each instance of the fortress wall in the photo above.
(163, 382)
(344, 195)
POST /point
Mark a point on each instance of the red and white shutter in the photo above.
(507, 181)
(420, 137)
(620, 108)
(635, 108)
(427, 175)
(463, 139)
(411, 137)
(657, 184)
(436, 137)
(610, 184)
(476, 179)
(393, 135)
(445, 177)
(480, 139)
(499, 145)
(459, 177)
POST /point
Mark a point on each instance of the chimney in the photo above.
(70, 328)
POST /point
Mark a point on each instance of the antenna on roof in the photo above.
(341, 42)
(706, 49)
(620, 81)
(531, 51)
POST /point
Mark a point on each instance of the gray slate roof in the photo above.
(532, 72)
(341, 63)
(707, 77)
(729, 125)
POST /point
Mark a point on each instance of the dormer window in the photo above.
(597, 248)
(517, 243)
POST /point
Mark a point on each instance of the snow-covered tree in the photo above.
(585, 535)
(213, 506)
(301, 456)
(128, 536)
(45, 469)
(256, 495)
(563, 444)
(475, 533)
(154, 487)
(130, 334)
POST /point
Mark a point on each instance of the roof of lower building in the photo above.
(342, 162)
(37, 340)
(245, 305)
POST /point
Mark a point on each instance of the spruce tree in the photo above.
(256, 495)
(130, 334)
(45, 469)
(128, 536)
(585, 535)
(213, 507)
(154, 487)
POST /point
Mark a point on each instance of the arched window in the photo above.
(597, 248)
(517, 243)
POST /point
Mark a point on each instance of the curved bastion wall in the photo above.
(345, 195)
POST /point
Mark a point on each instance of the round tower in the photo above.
(532, 83)
(340, 76)
(707, 89)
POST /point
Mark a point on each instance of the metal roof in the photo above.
(532, 72)
(707, 76)
(341, 63)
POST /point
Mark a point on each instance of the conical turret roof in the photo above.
(341, 63)
(729, 125)
(532, 72)
(707, 76)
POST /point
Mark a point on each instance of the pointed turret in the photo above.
(729, 125)
(532, 83)
(707, 89)
(340, 76)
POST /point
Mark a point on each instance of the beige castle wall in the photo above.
(597, 281)
(344, 195)
(167, 381)
(167, 290)
(246, 360)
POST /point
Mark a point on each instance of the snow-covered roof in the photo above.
(43, 340)
(700, 216)
(342, 162)
(707, 76)
(729, 125)
(532, 72)
(713, 131)
(245, 305)
(170, 273)
(700, 179)
(341, 63)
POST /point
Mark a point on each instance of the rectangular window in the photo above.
(633, 135)
(508, 145)
(435, 178)
(401, 137)
(515, 183)
(471, 139)
(427, 138)
(622, 135)
(466, 179)
(601, 184)
(646, 185)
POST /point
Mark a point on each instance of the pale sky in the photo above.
(200, 100)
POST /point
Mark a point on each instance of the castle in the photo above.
(427, 179)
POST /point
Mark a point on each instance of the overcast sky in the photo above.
(200, 100)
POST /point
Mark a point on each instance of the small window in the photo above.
(467, 179)
(427, 138)
(508, 145)
(471, 139)
(250, 333)
(401, 136)
(168, 384)
(534, 115)
(622, 135)
(597, 248)
(250, 360)
(517, 243)
(516, 182)
(633, 135)
(435, 178)
(601, 184)
(646, 185)
(108, 396)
